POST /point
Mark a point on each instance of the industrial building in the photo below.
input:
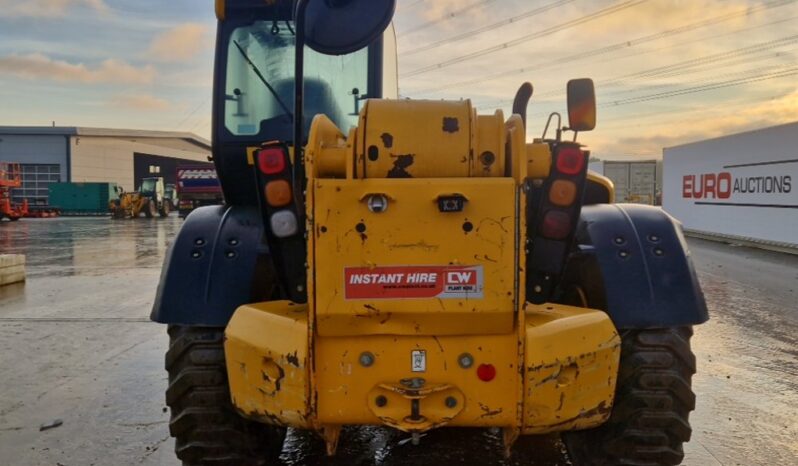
(76, 154)
(739, 186)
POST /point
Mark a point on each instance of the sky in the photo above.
(667, 72)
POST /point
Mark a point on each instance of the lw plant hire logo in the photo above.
(451, 281)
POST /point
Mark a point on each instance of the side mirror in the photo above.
(338, 27)
(581, 105)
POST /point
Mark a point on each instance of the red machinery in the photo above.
(11, 177)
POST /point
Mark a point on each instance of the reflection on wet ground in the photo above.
(76, 345)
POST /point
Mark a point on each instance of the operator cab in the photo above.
(254, 85)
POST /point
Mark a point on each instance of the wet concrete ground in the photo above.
(76, 345)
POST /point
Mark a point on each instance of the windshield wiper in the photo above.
(263, 80)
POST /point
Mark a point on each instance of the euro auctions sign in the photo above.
(396, 282)
(724, 184)
(742, 185)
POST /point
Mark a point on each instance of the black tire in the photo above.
(649, 420)
(150, 209)
(207, 429)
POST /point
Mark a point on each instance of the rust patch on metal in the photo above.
(387, 140)
(487, 412)
(419, 245)
(451, 124)
(292, 359)
(361, 230)
(400, 165)
(268, 379)
(438, 342)
(601, 410)
(371, 311)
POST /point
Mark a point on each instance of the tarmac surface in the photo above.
(76, 345)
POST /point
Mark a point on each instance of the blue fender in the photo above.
(217, 262)
(647, 277)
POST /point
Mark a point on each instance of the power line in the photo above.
(692, 65)
(489, 27)
(703, 88)
(618, 120)
(627, 44)
(445, 17)
(526, 38)
(698, 84)
(191, 114)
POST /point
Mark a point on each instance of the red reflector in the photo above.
(556, 225)
(570, 160)
(486, 372)
(271, 161)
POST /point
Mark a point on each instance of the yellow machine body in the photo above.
(128, 205)
(394, 274)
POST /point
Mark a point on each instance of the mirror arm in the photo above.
(548, 122)
(299, 79)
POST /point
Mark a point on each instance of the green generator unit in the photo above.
(82, 198)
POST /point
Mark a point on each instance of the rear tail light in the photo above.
(278, 193)
(562, 193)
(284, 224)
(570, 160)
(556, 225)
(486, 372)
(271, 160)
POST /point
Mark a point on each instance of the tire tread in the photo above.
(207, 429)
(650, 417)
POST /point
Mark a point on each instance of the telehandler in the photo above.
(150, 199)
(411, 263)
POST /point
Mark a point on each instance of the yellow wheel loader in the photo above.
(149, 199)
(412, 264)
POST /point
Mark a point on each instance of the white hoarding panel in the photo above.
(618, 172)
(642, 182)
(740, 185)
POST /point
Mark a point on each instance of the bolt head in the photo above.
(366, 359)
(465, 360)
(451, 402)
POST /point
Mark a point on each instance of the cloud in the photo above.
(46, 8)
(715, 121)
(141, 102)
(39, 66)
(180, 43)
